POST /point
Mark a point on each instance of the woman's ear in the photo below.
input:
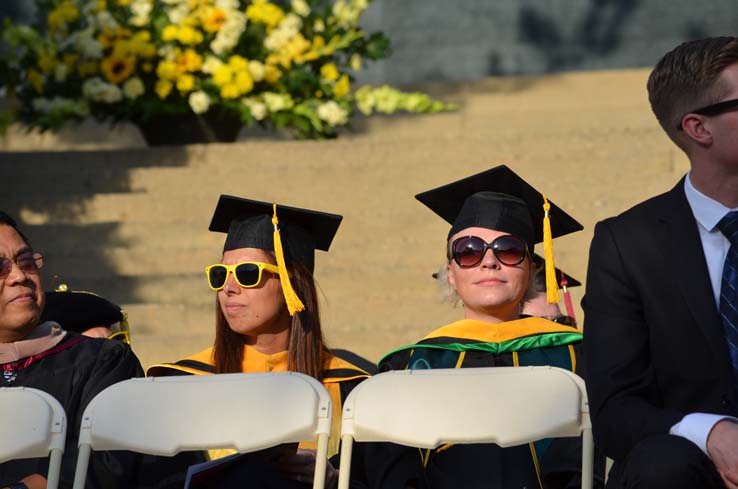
(450, 276)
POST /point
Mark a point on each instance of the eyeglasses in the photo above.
(27, 262)
(468, 251)
(248, 273)
(714, 109)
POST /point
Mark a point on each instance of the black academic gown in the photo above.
(553, 463)
(340, 376)
(75, 371)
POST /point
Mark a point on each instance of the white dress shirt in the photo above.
(696, 427)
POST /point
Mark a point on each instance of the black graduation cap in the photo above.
(249, 225)
(497, 199)
(79, 311)
(540, 262)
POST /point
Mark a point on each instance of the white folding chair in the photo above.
(245, 412)
(504, 405)
(32, 424)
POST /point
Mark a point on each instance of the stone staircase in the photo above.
(131, 222)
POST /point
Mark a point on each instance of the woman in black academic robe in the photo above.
(489, 271)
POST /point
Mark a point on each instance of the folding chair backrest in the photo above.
(32, 424)
(428, 408)
(166, 415)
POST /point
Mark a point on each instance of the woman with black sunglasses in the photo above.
(496, 218)
(267, 320)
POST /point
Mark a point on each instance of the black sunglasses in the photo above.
(565, 320)
(714, 109)
(27, 262)
(468, 251)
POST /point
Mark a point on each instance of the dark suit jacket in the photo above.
(653, 342)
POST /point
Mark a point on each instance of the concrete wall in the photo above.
(438, 40)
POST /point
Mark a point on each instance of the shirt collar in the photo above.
(707, 211)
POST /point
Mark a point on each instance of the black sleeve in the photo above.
(620, 377)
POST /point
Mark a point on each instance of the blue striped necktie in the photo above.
(728, 225)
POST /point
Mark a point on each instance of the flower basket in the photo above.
(287, 65)
(189, 128)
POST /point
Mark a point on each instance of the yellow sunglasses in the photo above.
(247, 273)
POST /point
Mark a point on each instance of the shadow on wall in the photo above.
(64, 221)
(599, 32)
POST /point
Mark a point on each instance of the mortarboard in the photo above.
(562, 278)
(499, 199)
(289, 232)
(79, 311)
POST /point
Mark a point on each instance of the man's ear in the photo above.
(695, 129)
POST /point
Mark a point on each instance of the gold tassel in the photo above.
(294, 304)
(552, 289)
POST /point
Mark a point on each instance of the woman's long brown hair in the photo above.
(306, 347)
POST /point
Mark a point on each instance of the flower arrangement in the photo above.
(283, 64)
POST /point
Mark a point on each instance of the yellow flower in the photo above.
(189, 60)
(162, 88)
(272, 74)
(59, 17)
(329, 72)
(123, 3)
(355, 63)
(141, 46)
(186, 83)
(36, 80)
(229, 90)
(222, 76)
(214, 20)
(244, 82)
(189, 36)
(169, 33)
(343, 86)
(167, 70)
(238, 63)
(147, 67)
(263, 12)
(47, 61)
(87, 69)
(117, 69)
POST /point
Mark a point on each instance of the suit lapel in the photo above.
(683, 249)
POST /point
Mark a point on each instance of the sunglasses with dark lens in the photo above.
(468, 251)
(248, 273)
(713, 109)
(27, 262)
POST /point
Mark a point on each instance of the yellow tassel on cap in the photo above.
(552, 288)
(294, 304)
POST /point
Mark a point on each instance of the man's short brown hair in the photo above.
(685, 79)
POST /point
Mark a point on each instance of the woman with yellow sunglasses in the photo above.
(267, 317)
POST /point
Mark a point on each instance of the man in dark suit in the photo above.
(661, 311)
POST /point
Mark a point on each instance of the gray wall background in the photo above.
(455, 40)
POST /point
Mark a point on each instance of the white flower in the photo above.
(105, 21)
(99, 91)
(332, 113)
(276, 101)
(60, 72)
(86, 45)
(199, 102)
(258, 109)
(227, 4)
(301, 7)
(355, 62)
(133, 88)
(141, 10)
(178, 13)
(256, 70)
(60, 105)
(211, 64)
(291, 22)
(229, 33)
(318, 25)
